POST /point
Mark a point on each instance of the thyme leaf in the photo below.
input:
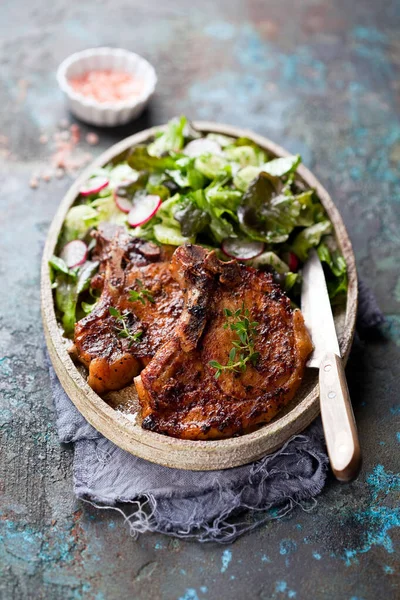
(242, 351)
(122, 326)
(142, 294)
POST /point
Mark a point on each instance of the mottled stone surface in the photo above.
(322, 79)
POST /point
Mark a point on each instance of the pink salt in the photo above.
(107, 85)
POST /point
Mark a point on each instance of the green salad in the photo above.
(221, 192)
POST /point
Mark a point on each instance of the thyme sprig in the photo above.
(142, 295)
(242, 351)
(122, 326)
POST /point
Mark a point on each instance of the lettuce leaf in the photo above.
(244, 177)
(336, 277)
(120, 174)
(68, 287)
(292, 280)
(85, 274)
(244, 155)
(219, 226)
(196, 180)
(165, 213)
(191, 218)
(170, 235)
(87, 307)
(309, 238)
(156, 184)
(58, 265)
(278, 167)
(187, 176)
(107, 210)
(311, 210)
(333, 259)
(220, 195)
(211, 165)
(222, 140)
(141, 160)
(257, 156)
(66, 299)
(265, 214)
(172, 139)
(271, 259)
(77, 223)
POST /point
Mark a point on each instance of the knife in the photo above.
(336, 410)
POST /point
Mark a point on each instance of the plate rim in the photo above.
(161, 449)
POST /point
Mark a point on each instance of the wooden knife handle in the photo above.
(338, 419)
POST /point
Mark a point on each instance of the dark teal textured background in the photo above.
(320, 78)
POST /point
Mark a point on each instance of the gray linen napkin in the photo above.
(206, 505)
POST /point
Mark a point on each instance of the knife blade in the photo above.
(336, 410)
(317, 312)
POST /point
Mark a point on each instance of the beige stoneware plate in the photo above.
(116, 418)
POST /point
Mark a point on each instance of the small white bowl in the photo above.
(106, 114)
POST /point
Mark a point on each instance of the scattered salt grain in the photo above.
(75, 133)
(66, 156)
(92, 138)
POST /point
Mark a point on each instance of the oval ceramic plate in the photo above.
(116, 415)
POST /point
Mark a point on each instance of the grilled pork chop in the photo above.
(178, 390)
(127, 265)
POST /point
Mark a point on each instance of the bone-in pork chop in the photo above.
(180, 392)
(127, 266)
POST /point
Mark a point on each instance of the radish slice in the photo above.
(93, 185)
(241, 249)
(74, 253)
(124, 193)
(293, 262)
(123, 203)
(143, 209)
(202, 146)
